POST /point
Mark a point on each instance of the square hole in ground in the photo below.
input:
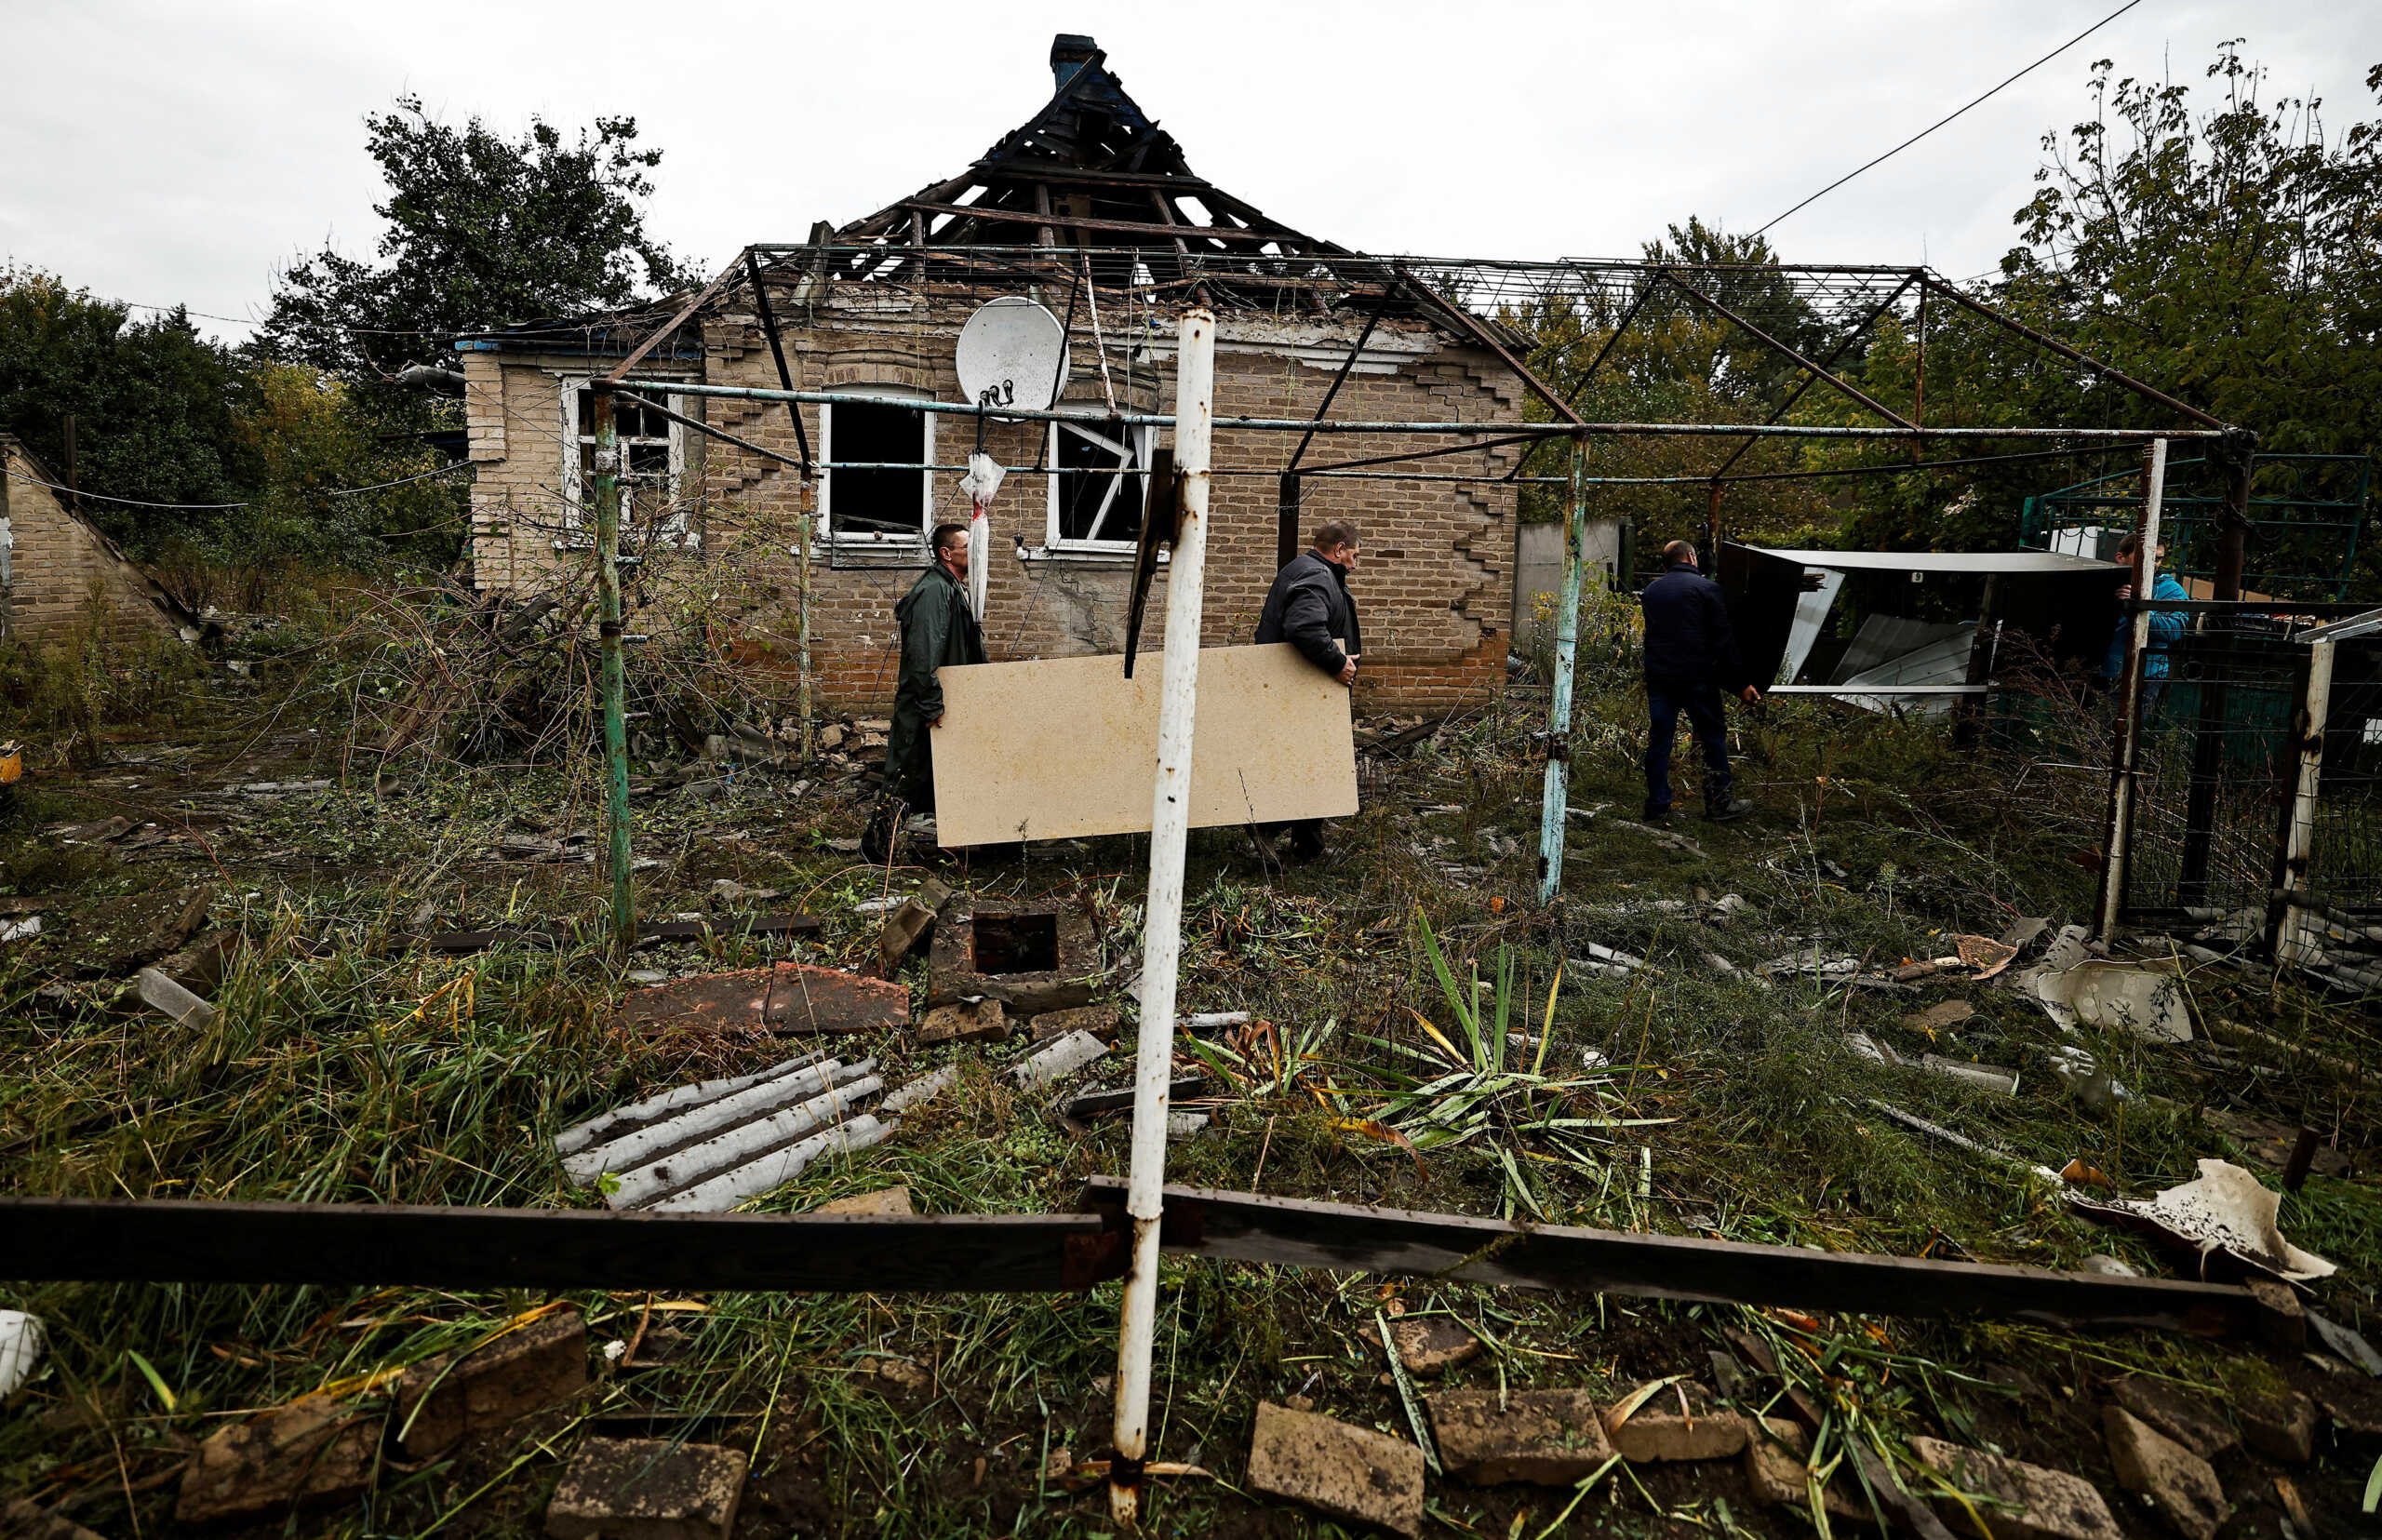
(1016, 943)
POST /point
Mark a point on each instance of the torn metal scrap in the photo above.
(2223, 1212)
(1091, 1104)
(787, 998)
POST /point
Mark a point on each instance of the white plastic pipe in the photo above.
(1194, 414)
(2122, 783)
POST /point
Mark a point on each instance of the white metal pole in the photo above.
(2299, 845)
(2122, 783)
(1195, 391)
(1557, 794)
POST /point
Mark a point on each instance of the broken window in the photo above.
(651, 453)
(1102, 474)
(882, 501)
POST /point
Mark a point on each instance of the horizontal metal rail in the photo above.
(1304, 424)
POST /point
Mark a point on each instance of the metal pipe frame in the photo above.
(2286, 941)
(611, 641)
(1721, 471)
(1775, 344)
(1521, 430)
(2129, 736)
(1556, 795)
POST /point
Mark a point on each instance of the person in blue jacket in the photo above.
(2166, 626)
(1690, 658)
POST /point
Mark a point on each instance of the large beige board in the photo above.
(1068, 747)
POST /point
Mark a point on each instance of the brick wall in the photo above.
(62, 574)
(1434, 585)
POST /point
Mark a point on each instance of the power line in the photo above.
(1940, 122)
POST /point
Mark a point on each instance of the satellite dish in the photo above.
(1013, 352)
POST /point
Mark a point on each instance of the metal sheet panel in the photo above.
(1977, 562)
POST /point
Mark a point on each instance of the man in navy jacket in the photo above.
(1690, 658)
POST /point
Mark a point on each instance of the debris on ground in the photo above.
(1336, 1469)
(169, 999)
(2143, 1001)
(976, 1020)
(22, 1342)
(21, 1518)
(2181, 1485)
(885, 1201)
(1032, 957)
(652, 1489)
(789, 999)
(2033, 1500)
(315, 1449)
(707, 1154)
(1058, 1059)
(527, 1367)
(2225, 1210)
(910, 923)
(1547, 1438)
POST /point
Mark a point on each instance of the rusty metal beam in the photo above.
(1863, 398)
(1116, 227)
(777, 352)
(1467, 322)
(1849, 338)
(2148, 393)
(1337, 381)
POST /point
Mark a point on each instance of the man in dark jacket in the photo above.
(938, 629)
(1310, 608)
(1691, 657)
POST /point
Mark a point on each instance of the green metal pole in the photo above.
(605, 487)
(1558, 716)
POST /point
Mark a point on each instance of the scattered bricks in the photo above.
(311, 1450)
(887, 1201)
(2282, 1322)
(440, 1400)
(2280, 1425)
(20, 1519)
(1776, 1450)
(1033, 957)
(2178, 1483)
(967, 1022)
(1651, 1437)
(1101, 1021)
(908, 925)
(1551, 1437)
(2034, 1503)
(2180, 1415)
(647, 1489)
(1346, 1472)
(1432, 1344)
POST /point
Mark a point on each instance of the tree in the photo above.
(154, 405)
(482, 231)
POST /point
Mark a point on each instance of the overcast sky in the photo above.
(183, 152)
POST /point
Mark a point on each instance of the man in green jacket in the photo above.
(938, 628)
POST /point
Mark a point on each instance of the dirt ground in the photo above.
(1706, 1098)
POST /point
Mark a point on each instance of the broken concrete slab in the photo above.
(788, 999)
(965, 1022)
(654, 1109)
(1776, 1469)
(1653, 1438)
(2280, 1425)
(1344, 1471)
(1058, 1059)
(1102, 1021)
(1550, 1438)
(647, 1489)
(1033, 958)
(2036, 1502)
(2178, 1483)
(882, 1201)
(315, 1449)
(441, 1399)
(2177, 1414)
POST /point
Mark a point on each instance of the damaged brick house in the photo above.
(1091, 209)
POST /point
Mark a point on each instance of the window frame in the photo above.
(1141, 441)
(678, 526)
(881, 539)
